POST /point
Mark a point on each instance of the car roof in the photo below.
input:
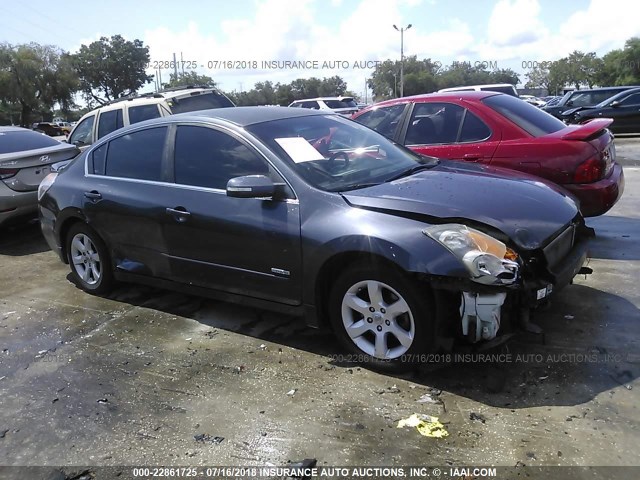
(483, 85)
(604, 89)
(322, 98)
(240, 116)
(471, 95)
(133, 102)
(624, 93)
(13, 129)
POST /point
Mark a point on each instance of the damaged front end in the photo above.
(505, 281)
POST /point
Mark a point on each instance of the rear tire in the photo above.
(383, 317)
(89, 260)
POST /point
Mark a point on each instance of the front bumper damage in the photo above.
(485, 312)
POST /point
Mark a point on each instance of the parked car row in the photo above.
(428, 220)
(623, 109)
(582, 98)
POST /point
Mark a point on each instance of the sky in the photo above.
(243, 42)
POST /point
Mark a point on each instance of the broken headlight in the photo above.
(488, 260)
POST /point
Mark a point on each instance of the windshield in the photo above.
(336, 154)
(531, 119)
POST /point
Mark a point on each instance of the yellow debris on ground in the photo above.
(427, 425)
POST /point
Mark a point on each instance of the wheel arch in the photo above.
(66, 220)
(333, 267)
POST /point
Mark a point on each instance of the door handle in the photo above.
(471, 157)
(179, 213)
(93, 195)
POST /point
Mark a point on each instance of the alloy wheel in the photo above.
(85, 258)
(378, 319)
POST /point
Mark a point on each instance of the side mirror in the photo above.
(615, 103)
(251, 186)
(569, 103)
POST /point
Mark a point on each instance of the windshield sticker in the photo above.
(299, 149)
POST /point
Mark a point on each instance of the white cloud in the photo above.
(515, 22)
(603, 26)
(290, 30)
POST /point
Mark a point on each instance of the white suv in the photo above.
(126, 111)
(490, 87)
(341, 105)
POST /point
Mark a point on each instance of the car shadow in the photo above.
(617, 238)
(583, 353)
(23, 238)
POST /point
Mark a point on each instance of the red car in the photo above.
(503, 131)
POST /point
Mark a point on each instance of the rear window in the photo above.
(135, 155)
(508, 89)
(341, 103)
(531, 119)
(18, 141)
(109, 122)
(202, 101)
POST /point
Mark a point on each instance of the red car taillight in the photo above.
(7, 172)
(590, 170)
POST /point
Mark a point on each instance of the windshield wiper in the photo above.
(355, 186)
(411, 171)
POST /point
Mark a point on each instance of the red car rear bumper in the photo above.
(598, 197)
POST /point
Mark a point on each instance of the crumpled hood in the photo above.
(523, 207)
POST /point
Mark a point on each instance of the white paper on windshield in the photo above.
(299, 149)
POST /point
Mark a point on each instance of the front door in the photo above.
(245, 246)
(447, 130)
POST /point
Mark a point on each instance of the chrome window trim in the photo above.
(218, 191)
(167, 125)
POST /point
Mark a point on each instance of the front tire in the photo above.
(382, 316)
(89, 260)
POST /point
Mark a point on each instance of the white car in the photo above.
(535, 101)
(342, 105)
(126, 111)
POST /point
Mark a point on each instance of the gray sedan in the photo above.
(26, 158)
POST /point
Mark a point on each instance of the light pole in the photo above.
(402, 30)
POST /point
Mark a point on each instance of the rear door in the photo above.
(247, 246)
(124, 203)
(448, 130)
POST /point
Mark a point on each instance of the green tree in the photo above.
(630, 63)
(612, 71)
(419, 77)
(34, 78)
(559, 76)
(110, 68)
(284, 94)
(582, 68)
(332, 87)
(189, 78)
(464, 73)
